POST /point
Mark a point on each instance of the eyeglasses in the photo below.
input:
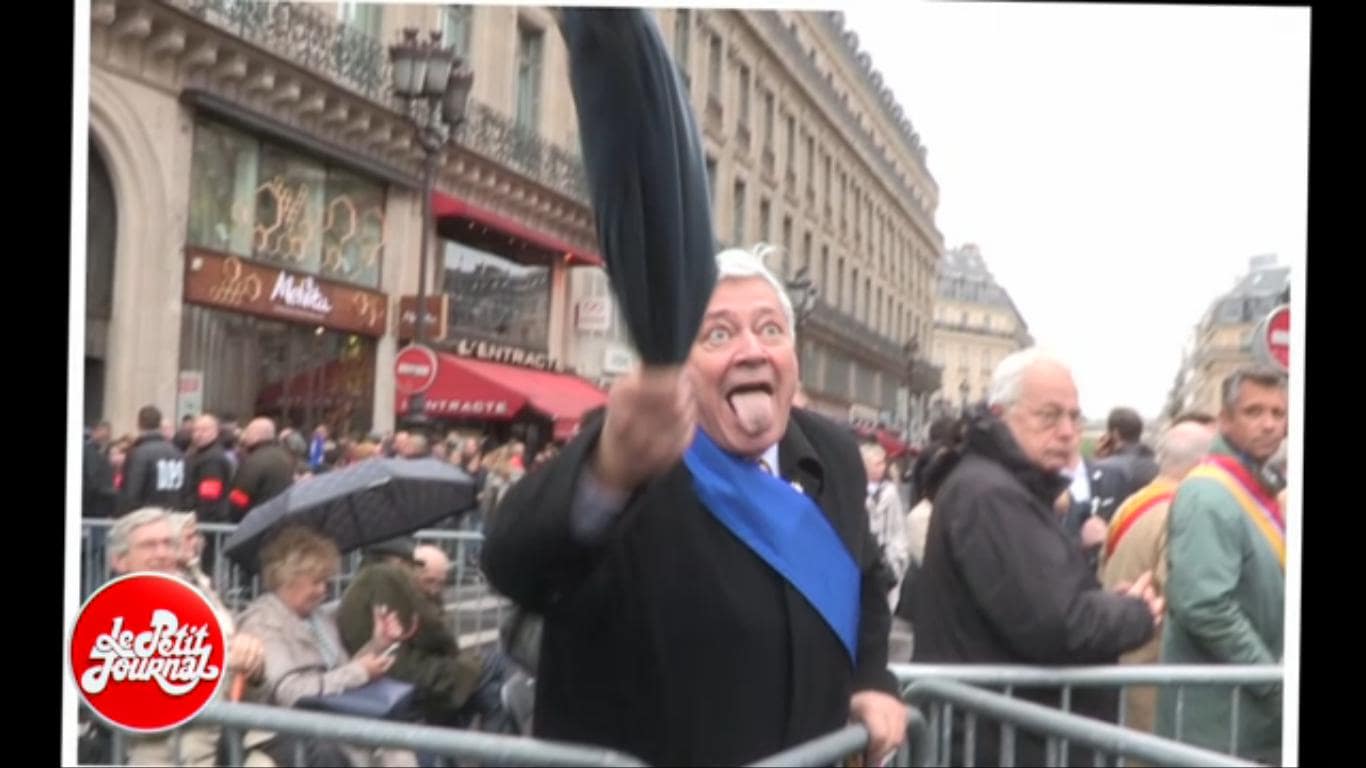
(1051, 417)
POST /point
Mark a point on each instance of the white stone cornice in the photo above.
(103, 12)
(336, 115)
(202, 54)
(289, 93)
(136, 24)
(313, 104)
(360, 124)
(169, 41)
(262, 80)
(234, 67)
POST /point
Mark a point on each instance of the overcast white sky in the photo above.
(1117, 165)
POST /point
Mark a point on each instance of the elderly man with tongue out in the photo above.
(702, 557)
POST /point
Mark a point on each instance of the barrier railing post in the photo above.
(1066, 707)
(1180, 709)
(1233, 725)
(970, 743)
(236, 749)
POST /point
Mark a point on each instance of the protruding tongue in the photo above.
(754, 408)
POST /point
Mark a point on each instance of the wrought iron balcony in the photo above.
(308, 35)
(500, 139)
(305, 34)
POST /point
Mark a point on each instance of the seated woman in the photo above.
(304, 655)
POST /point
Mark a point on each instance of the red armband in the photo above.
(211, 489)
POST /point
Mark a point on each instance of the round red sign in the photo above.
(1278, 336)
(147, 652)
(414, 369)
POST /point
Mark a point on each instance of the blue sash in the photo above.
(785, 529)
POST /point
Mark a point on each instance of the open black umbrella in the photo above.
(647, 175)
(365, 503)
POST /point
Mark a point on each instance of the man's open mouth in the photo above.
(747, 390)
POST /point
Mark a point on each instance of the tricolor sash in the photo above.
(785, 529)
(1133, 508)
(1259, 505)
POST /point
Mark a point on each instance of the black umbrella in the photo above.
(365, 503)
(647, 175)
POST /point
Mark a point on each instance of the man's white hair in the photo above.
(1182, 447)
(1007, 378)
(739, 263)
(121, 532)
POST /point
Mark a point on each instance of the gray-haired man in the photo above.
(1002, 581)
(146, 540)
(657, 597)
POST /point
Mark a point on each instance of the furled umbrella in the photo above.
(364, 503)
(647, 176)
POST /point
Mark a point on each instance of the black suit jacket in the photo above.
(669, 638)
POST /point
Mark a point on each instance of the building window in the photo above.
(714, 68)
(711, 178)
(791, 143)
(765, 220)
(768, 119)
(844, 201)
(838, 298)
(810, 161)
(853, 294)
(738, 223)
(682, 37)
(496, 299)
(867, 299)
(286, 371)
(530, 46)
(826, 190)
(877, 315)
(101, 235)
(806, 251)
(744, 96)
(455, 28)
(787, 234)
(824, 276)
(367, 18)
(254, 199)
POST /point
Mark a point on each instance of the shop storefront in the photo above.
(282, 269)
(498, 327)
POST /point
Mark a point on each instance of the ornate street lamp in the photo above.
(434, 86)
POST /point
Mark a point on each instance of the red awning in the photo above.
(475, 389)
(893, 445)
(448, 206)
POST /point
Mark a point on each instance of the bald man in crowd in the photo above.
(267, 469)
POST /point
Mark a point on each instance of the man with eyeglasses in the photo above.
(1002, 581)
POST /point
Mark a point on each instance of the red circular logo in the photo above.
(147, 652)
(414, 370)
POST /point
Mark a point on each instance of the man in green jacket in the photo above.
(450, 684)
(1226, 583)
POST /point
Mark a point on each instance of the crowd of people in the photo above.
(999, 543)
(392, 619)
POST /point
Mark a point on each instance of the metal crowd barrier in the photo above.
(485, 748)
(1066, 679)
(476, 611)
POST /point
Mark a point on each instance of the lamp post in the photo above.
(802, 290)
(910, 349)
(434, 86)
